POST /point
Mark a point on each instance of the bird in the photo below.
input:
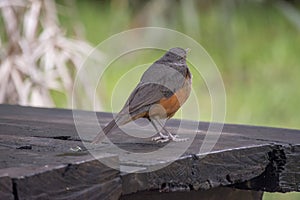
(163, 89)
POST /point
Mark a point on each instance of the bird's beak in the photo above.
(187, 50)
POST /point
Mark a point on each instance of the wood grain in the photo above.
(38, 159)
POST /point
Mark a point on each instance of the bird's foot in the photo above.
(175, 138)
(161, 138)
(166, 138)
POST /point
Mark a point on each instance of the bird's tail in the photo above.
(121, 119)
(110, 126)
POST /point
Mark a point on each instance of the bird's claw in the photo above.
(160, 138)
(176, 139)
(166, 138)
(163, 140)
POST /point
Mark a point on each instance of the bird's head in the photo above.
(176, 54)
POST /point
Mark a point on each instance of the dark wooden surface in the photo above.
(6, 188)
(37, 160)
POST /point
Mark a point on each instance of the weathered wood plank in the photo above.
(201, 173)
(6, 187)
(61, 119)
(28, 151)
(40, 144)
(290, 169)
(82, 180)
(86, 179)
(47, 168)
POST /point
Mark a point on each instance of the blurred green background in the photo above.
(255, 44)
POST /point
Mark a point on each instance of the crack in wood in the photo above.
(173, 186)
(15, 190)
(228, 178)
(62, 137)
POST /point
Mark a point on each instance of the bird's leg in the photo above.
(170, 135)
(161, 135)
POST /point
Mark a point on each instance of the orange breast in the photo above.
(173, 103)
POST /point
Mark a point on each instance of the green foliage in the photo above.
(253, 44)
(281, 196)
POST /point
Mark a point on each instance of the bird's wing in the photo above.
(140, 101)
(159, 81)
(145, 95)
